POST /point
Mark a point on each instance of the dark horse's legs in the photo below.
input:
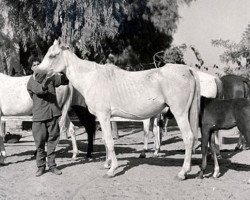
(88, 121)
(214, 149)
(204, 147)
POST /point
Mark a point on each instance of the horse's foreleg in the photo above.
(145, 138)
(72, 134)
(216, 164)
(216, 143)
(188, 138)
(107, 136)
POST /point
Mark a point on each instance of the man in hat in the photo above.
(46, 113)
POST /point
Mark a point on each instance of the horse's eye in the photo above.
(51, 55)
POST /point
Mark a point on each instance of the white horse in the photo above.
(110, 91)
(16, 101)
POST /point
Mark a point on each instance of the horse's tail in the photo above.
(219, 85)
(64, 122)
(195, 106)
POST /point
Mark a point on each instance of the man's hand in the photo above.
(47, 81)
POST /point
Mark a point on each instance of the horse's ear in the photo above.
(55, 42)
(55, 50)
(59, 40)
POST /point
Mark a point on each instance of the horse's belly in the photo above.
(16, 108)
(138, 110)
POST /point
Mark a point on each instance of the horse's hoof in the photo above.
(108, 175)
(155, 155)
(74, 158)
(216, 176)
(236, 149)
(89, 156)
(3, 153)
(200, 176)
(180, 177)
(106, 166)
(142, 156)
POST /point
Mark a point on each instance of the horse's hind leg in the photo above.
(205, 134)
(2, 152)
(114, 130)
(241, 144)
(216, 164)
(104, 120)
(72, 134)
(188, 138)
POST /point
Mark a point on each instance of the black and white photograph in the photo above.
(125, 99)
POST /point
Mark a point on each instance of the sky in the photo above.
(205, 20)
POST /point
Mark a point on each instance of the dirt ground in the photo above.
(149, 178)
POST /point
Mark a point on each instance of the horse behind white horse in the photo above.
(133, 95)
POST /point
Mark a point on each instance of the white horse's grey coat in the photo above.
(110, 91)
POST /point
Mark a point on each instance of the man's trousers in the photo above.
(46, 131)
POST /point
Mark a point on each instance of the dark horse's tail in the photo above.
(88, 121)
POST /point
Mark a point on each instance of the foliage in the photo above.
(236, 55)
(6, 44)
(174, 54)
(133, 30)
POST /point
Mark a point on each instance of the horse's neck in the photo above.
(79, 72)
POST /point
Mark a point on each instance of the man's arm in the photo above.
(36, 88)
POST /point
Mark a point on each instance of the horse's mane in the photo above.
(81, 65)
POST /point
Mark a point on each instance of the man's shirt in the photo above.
(45, 105)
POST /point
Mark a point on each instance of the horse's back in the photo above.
(15, 99)
(143, 93)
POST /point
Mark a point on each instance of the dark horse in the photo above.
(236, 87)
(222, 114)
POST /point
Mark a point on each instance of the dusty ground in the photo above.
(149, 178)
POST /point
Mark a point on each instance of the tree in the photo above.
(236, 55)
(9, 62)
(95, 28)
